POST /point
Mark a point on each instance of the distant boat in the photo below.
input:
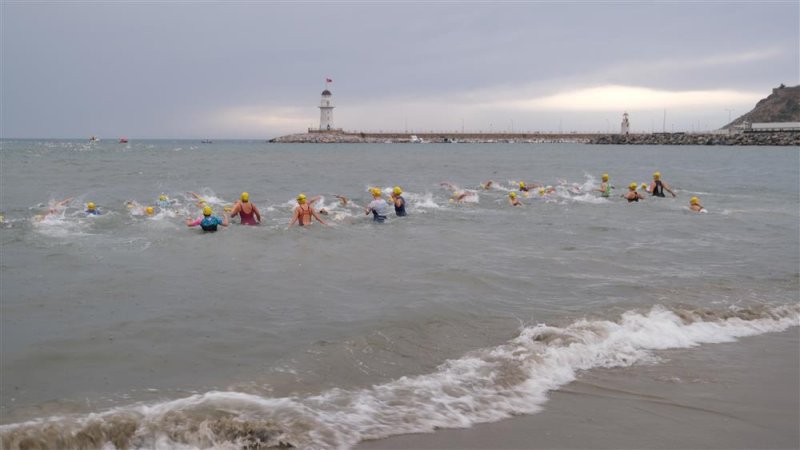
(415, 140)
(94, 139)
(206, 141)
(123, 140)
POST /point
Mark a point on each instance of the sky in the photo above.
(255, 69)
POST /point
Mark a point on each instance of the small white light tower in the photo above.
(626, 126)
(326, 110)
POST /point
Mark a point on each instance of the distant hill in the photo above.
(783, 105)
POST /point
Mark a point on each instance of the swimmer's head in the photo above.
(149, 210)
(301, 199)
(375, 192)
(207, 211)
(541, 191)
(162, 198)
(644, 186)
(656, 175)
(694, 201)
(512, 194)
(90, 206)
(397, 190)
(245, 197)
(633, 186)
(521, 184)
(605, 177)
(129, 204)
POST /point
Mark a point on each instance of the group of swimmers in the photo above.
(655, 189)
(304, 213)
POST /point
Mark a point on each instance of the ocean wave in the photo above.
(484, 385)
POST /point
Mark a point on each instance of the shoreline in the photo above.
(685, 401)
(790, 138)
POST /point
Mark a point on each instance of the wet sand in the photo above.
(719, 396)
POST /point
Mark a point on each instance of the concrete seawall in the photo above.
(345, 137)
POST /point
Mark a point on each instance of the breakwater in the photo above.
(351, 137)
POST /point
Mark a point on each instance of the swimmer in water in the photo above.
(378, 206)
(248, 212)
(149, 211)
(54, 209)
(208, 222)
(200, 200)
(657, 187)
(513, 200)
(458, 195)
(632, 195)
(304, 213)
(605, 187)
(487, 185)
(163, 201)
(91, 210)
(399, 202)
(694, 205)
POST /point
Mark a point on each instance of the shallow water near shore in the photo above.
(139, 331)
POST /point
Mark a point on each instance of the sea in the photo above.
(125, 330)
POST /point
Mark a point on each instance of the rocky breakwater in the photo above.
(324, 138)
(775, 138)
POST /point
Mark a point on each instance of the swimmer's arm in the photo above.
(295, 217)
(192, 223)
(314, 213)
(341, 198)
(64, 202)
(225, 220)
(258, 214)
(236, 208)
(314, 199)
(666, 186)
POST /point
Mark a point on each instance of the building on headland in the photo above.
(625, 128)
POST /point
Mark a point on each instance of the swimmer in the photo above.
(248, 212)
(304, 213)
(546, 190)
(208, 222)
(378, 206)
(605, 187)
(513, 200)
(54, 209)
(487, 185)
(632, 195)
(149, 211)
(200, 200)
(163, 201)
(657, 187)
(342, 199)
(694, 205)
(399, 202)
(91, 210)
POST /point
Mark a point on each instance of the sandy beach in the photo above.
(682, 402)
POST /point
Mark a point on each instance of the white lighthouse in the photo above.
(625, 128)
(326, 111)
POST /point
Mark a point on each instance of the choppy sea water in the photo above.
(138, 332)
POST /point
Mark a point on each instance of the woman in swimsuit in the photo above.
(247, 211)
(303, 213)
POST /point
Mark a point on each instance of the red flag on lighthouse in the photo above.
(328, 80)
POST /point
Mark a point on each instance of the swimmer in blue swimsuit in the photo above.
(91, 210)
(208, 222)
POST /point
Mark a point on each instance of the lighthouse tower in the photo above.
(625, 128)
(326, 111)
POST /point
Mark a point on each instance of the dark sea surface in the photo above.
(137, 331)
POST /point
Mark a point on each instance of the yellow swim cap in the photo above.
(375, 192)
(605, 177)
(644, 185)
(541, 191)
(245, 196)
(149, 210)
(694, 200)
(90, 206)
(162, 198)
(656, 175)
(633, 186)
(207, 211)
(522, 184)
(397, 190)
(512, 194)
(301, 198)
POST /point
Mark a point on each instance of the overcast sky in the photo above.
(256, 69)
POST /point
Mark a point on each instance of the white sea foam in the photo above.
(483, 386)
